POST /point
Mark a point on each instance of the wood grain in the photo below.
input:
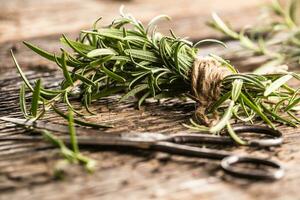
(27, 169)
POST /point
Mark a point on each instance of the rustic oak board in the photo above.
(26, 169)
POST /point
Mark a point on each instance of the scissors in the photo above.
(178, 144)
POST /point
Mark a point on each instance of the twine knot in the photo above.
(206, 78)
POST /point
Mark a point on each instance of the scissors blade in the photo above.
(17, 121)
(87, 136)
(37, 124)
(91, 136)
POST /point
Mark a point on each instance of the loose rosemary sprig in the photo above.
(277, 37)
(71, 155)
(135, 60)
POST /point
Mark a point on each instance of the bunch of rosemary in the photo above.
(127, 57)
(277, 36)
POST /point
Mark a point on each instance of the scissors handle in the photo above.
(229, 165)
(274, 137)
(229, 162)
(275, 140)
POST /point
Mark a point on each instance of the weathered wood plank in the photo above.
(26, 169)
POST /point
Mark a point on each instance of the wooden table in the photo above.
(27, 169)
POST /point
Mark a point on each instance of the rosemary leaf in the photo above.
(234, 136)
(22, 100)
(134, 91)
(142, 55)
(46, 54)
(257, 110)
(67, 153)
(113, 75)
(224, 121)
(210, 41)
(21, 72)
(100, 52)
(236, 89)
(72, 132)
(277, 84)
(82, 123)
(156, 19)
(77, 45)
(223, 27)
(142, 99)
(35, 98)
(108, 91)
(85, 79)
(39, 51)
(65, 70)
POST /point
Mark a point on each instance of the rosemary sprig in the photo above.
(277, 37)
(135, 60)
(72, 155)
(47, 98)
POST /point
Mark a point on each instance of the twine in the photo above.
(206, 79)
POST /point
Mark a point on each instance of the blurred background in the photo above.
(43, 22)
(24, 19)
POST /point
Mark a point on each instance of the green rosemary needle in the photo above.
(135, 60)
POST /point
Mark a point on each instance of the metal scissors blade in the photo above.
(42, 125)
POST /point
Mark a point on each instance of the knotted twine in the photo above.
(206, 80)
